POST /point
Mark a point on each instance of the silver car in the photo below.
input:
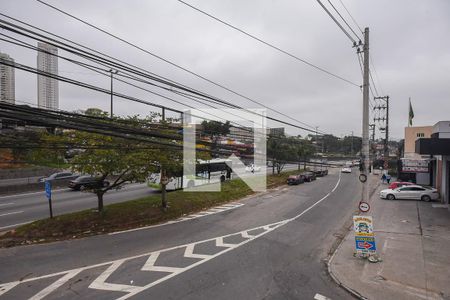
(411, 192)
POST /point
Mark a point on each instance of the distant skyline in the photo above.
(47, 88)
(7, 80)
(408, 46)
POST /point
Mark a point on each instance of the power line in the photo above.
(115, 65)
(353, 19)
(267, 43)
(337, 23)
(345, 21)
(172, 63)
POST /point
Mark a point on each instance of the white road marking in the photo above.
(33, 193)
(100, 284)
(100, 281)
(321, 297)
(11, 213)
(4, 204)
(211, 211)
(15, 225)
(55, 285)
(189, 252)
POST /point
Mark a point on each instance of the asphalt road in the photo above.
(272, 246)
(23, 208)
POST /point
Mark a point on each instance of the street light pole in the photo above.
(112, 91)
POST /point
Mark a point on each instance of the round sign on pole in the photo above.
(362, 177)
(364, 206)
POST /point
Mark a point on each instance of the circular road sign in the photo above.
(364, 206)
(363, 178)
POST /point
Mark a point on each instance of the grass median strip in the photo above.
(130, 214)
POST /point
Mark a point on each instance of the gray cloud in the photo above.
(409, 45)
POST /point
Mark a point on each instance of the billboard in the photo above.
(415, 165)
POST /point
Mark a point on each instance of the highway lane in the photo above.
(272, 247)
(27, 207)
(22, 208)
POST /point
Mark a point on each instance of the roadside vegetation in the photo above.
(131, 214)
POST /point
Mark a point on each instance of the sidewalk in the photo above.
(413, 240)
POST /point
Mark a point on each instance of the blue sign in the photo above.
(48, 189)
(365, 243)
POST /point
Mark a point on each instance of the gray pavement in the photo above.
(413, 240)
(272, 247)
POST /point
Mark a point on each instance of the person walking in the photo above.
(388, 178)
(383, 178)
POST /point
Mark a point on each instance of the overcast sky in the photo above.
(409, 44)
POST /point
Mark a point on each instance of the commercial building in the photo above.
(48, 90)
(413, 166)
(7, 80)
(438, 148)
(245, 134)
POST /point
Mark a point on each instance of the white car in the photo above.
(410, 192)
(346, 170)
(252, 168)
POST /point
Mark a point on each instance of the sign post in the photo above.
(364, 236)
(48, 193)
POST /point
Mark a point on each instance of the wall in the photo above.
(411, 135)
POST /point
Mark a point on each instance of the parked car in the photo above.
(59, 176)
(411, 192)
(87, 182)
(308, 176)
(321, 173)
(295, 179)
(346, 170)
(397, 184)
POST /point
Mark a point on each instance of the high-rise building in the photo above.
(7, 80)
(47, 61)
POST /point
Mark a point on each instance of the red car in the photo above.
(397, 184)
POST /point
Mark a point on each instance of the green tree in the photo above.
(119, 160)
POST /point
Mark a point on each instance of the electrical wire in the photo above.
(170, 62)
(337, 23)
(87, 55)
(267, 44)
(345, 21)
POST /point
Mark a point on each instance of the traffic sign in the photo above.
(48, 193)
(48, 189)
(364, 206)
(365, 244)
(364, 236)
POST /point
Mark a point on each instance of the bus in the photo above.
(206, 172)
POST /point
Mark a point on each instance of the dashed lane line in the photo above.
(11, 213)
(4, 204)
(208, 212)
(100, 283)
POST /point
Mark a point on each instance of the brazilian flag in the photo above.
(411, 113)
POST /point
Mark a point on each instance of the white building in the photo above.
(7, 80)
(48, 92)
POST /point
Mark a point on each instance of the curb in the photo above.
(353, 292)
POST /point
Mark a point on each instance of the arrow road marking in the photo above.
(320, 297)
(101, 283)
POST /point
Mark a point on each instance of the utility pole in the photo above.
(352, 144)
(386, 120)
(365, 120)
